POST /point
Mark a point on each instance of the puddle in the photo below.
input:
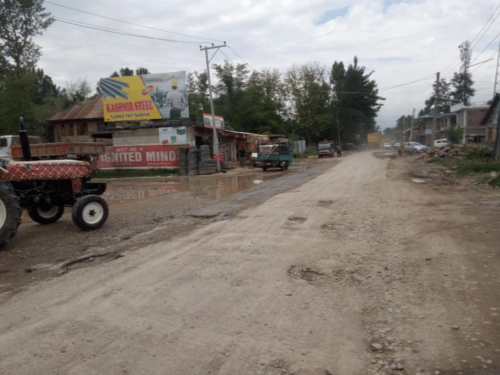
(418, 180)
(214, 188)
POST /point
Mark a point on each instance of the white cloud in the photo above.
(402, 41)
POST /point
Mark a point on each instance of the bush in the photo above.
(479, 152)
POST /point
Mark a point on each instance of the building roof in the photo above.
(459, 107)
(493, 105)
(91, 109)
(426, 116)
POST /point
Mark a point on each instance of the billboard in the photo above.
(172, 136)
(139, 157)
(207, 120)
(144, 97)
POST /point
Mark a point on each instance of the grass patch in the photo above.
(310, 151)
(136, 173)
(481, 169)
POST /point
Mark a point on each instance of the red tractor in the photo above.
(44, 189)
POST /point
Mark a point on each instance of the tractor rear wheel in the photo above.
(10, 213)
(41, 216)
(90, 212)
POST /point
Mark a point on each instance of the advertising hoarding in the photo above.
(139, 157)
(219, 120)
(144, 97)
(172, 136)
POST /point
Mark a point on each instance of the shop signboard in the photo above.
(219, 120)
(139, 157)
(172, 136)
(145, 97)
(428, 131)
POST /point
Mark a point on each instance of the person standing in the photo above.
(176, 101)
(242, 153)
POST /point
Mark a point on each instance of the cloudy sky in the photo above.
(401, 40)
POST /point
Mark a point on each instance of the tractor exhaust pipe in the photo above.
(23, 138)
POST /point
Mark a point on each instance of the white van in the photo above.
(442, 142)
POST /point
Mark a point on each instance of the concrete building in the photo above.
(469, 118)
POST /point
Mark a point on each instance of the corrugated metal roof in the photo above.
(91, 109)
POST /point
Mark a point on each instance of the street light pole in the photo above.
(216, 140)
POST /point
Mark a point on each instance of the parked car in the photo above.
(387, 145)
(442, 142)
(414, 147)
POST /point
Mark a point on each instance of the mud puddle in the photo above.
(208, 188)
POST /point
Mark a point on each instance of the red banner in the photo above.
(139, 157)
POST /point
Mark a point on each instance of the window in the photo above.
(81, 129)
(64, 130)
(71, 130)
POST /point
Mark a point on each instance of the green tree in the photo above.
(462, 88)
(444, 102)
(356, 100)
(141, 71)
(197, 84)
(20, 21)
(76, 92)
(309, 96)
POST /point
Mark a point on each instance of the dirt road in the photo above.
(357, 271)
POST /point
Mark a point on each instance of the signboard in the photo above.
(144, 97)
(219, 120)
(172, 136)
(139, 157)
(428, 131)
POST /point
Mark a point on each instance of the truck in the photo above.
(10, 147)
(326, 148)
(275, 154)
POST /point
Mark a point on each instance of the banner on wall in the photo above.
(172, 136)
(139, 157)
(144, 97)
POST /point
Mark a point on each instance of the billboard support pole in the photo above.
(216, 140)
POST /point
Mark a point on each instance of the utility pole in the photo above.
(411, 129)
(216, 139)
(496, 72)
(435, 111)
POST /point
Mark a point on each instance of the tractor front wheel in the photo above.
(43, 216)
(10, 213)
(90, 212)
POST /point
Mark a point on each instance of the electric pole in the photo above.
(216, 139)
(435, 110)
(496, 72)
(411, 129)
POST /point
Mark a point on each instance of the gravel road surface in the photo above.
(358, 270)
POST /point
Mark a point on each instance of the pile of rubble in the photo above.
(455, 152)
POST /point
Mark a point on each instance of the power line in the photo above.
(408, 83)
(130, 23)
(227, 57)
(487, 46)
(477, 41)
(113, 31)
(238, 55)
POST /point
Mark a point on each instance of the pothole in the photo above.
(297, 219)
(306, 273)
(325, 203)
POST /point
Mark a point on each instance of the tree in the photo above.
(443, 90)
(462, 88)
(20, 21)
(141, 71)
(126, 72)
(309, 97)
(76, 92)
(356, 101)
(44, 88)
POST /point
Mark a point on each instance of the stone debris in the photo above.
(434, 153)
